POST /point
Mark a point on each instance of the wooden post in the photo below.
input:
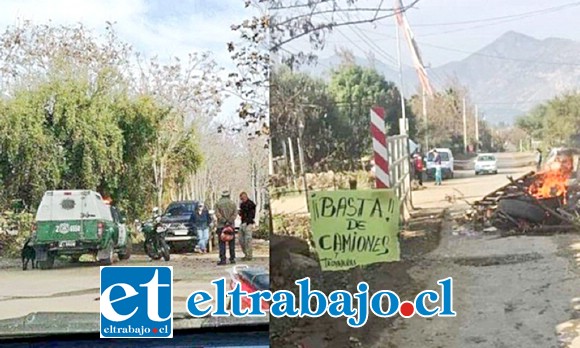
(292, 163)
(302, 171)
(286, 164)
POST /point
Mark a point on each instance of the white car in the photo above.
(485, 163)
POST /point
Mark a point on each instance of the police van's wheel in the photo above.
(107, 260)
(125, 254)
(48, 263)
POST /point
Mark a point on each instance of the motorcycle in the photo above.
(251, 279)
(155, 245)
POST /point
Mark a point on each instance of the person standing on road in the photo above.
(418, 168)
(538, 160)
(201, 221)
(226, 212)
(437, 162)
(248, 214)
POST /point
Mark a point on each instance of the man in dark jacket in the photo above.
(248, 214)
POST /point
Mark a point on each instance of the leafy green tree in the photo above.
(355, 90)
(301, 106)
(556, 122)
(75, 115)
(533, 122)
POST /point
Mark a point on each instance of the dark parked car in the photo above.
(176, 219)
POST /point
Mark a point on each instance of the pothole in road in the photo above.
(485, 261)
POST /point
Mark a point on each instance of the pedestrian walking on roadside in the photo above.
(418, 168)
(437, 162)
(226, 212)
(201, 222)
(247, 214)
(538, 160)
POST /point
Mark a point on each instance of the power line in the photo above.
(357, 46)
(451, 49)
(507, 17)
(367, 40)
(495, 20)
(515, 18)
(438, 81)
(499, 57)
(298, 35)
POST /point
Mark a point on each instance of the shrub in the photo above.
(15, 228)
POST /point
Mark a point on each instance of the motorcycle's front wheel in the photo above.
(151, 249)
(164, 250)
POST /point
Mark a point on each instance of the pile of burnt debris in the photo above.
(546, 201)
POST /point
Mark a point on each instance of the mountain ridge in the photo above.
(506, 78)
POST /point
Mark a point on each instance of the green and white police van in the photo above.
(78, 222)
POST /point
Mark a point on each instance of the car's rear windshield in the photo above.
(181, 208)
(444, 156)
(486, 158)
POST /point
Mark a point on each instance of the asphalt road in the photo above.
(71, 287)
(465, 185)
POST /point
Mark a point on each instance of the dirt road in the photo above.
(73, 287)
(465, 185)
(508, 292)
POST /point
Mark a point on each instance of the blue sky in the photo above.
(154, 27)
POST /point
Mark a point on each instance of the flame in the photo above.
(553, 181)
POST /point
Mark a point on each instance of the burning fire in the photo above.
(553, 181)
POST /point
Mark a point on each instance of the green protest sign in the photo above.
(354, 228)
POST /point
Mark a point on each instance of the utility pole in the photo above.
(425, 122)
(403, 120)
(476, 129)
(464, 128)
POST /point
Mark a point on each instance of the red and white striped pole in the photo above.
(379, 136)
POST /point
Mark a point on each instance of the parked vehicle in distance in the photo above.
(176, 223)
(485, 163)
(77, 222)
(447, 163)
